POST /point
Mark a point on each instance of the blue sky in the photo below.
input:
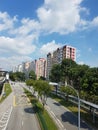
(29, 29)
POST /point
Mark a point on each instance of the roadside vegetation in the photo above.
(17, 76)
(6, 92)
(81, 77)
(45, 121)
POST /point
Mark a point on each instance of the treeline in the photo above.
(17, 76)
(81, 77)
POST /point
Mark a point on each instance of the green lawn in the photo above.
(7, 91)
(46, 122)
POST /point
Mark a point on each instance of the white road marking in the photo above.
(5, 119)
(52, 113)
(22, 123)
(60, 123)
(56, 119)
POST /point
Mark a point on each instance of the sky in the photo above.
(30, 29)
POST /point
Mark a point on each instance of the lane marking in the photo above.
(4, 120)
(14, 101)
(52, 113)
(22, 123)
(60, 123)
(28, 99)
(56, 119)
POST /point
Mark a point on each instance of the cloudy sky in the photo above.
(29, 29)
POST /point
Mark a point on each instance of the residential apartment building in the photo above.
(69, 52)
(41, 68)
(32, 66)
(65, 52)
(49, 64)
(20, 68)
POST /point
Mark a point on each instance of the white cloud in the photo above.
(13, 46)
(28, 27)
(60, 16)
(94, 22)
(49, 47)
(6, 22)
(10, 62)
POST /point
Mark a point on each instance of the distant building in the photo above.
(20, 68)
(32, 66)
(49, 64)
(26, 66)
(69, 52)
(65, 52)
(41, 68)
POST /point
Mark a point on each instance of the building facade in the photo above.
(69, 52)
(49, 64)
(41, 68)
(65, 52)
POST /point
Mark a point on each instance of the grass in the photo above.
(46, 122)
(7, 91)
(85, 115)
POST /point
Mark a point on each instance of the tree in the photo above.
(43, 88)
(67, 90)
(55, 73)
(42, 78)
(32, 75)
(17, 76)
(66, 66)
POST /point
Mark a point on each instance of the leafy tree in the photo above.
(12, 76)
(67, 90)
(66, 66)
(43, 88)
(42, 78)
(20, 76)
(32, 75)
(31, 83)
(17, 76)
(55, 73)
(77, 74)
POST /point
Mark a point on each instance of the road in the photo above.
(65, 119)
(18, 112)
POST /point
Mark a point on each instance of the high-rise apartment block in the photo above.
(65, 52)
(41, 68)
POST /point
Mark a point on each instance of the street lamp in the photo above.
(78, 107)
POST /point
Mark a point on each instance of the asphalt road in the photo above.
(68, 120)
(22, 116)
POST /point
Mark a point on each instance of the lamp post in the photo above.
(78, 110)
(78, 107)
